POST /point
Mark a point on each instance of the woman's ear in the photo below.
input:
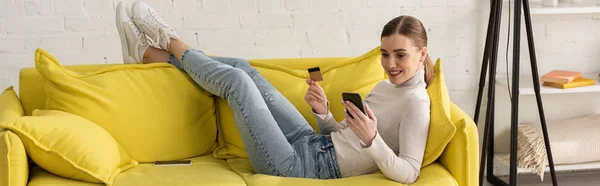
(423, 54)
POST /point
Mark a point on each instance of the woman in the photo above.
(390, 137)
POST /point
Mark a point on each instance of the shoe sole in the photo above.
(127, 58)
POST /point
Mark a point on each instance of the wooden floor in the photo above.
(566, 179)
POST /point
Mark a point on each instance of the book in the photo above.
(560, 76)
(579, 82)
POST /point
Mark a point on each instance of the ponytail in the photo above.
(428, 67)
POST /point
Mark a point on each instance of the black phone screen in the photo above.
(355, 99)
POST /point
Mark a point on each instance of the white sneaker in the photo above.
(151, 24)
(133, 41)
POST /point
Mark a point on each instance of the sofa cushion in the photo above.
(10, 105)
(461, 155)
(204, 171)
(433, 174)
(14, 168)
(41, 177)
(359, 74)
(68, 145)
(154, 111)
(441, 128)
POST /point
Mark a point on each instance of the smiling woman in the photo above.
(404, 49)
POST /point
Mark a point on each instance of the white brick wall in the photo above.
(83, 32)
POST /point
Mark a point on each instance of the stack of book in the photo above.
(565, 79)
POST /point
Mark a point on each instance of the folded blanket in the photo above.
(573, 141)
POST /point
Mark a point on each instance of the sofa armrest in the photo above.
(14, 167)
(461, 156)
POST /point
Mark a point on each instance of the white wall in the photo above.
(83, 32)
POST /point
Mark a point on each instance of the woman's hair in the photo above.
(412, 28)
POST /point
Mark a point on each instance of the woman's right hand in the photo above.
(315, 97)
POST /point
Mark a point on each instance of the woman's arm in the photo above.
(414, 127)
(327, 123)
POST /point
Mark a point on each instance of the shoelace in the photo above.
(155, 22)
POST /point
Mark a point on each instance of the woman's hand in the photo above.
(364, 126)
(315, 97)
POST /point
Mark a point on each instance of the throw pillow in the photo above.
(441, 127)
(155, 111)
(68, 145)
(14, 168)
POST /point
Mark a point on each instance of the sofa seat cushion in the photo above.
(205, 171)
(41, 177)
(433, 174)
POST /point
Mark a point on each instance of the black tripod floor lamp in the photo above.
(490, 56)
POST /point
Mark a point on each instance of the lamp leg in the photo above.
(536, 86)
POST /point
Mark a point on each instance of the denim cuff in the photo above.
(173, 60)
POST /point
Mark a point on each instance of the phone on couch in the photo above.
(355, 99)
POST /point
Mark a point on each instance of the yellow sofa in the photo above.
(226, 162)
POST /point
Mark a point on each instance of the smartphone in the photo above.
(173, 163)
(355, 99)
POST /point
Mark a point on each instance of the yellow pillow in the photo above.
(359, 74)
(154, 111)
(14, 168)
(10, 105)
(441, 128)
(68, 145)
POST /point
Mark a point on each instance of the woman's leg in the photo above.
(268, 150)
(290, 121)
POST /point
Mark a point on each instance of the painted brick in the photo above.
(187, 7)
(88, 24)
(325, 5)
(295, 5)
(55, 45)
(349, 5)
(393, 3)
(69, 7)
(14, 8)
(243, 6)
(275, 37)
(12, 45)
(35, 25)
(39, 7)
(327, 37)
(267, 21)
(99, 7)
(318, 21)
(212, 21)
(270, 6)
(212, 6)
(426, 3)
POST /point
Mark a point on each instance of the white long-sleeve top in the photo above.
(402, 113)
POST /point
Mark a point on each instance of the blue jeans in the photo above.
(278, 140)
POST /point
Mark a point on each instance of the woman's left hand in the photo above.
(364, 126)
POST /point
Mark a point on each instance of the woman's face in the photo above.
(400, 58)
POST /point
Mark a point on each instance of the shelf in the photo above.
(502, 168)
(526, 85)
(565, 7)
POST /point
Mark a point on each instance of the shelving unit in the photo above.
(588, 6)
(501, 167)
(564, 7)
(526, 84)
